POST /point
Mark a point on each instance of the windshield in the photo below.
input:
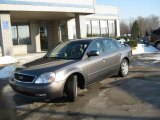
(69, 50)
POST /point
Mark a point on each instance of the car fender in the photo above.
(62, 75)
(127, 55)
(157, 41)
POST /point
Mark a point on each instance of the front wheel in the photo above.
(124, 68)
(158, 45)
(72, 88)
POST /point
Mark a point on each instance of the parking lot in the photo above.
(135, 97)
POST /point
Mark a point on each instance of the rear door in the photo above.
(112, 57)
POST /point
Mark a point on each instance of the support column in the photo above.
(80, 26)
(35, 38)
(117, 28)
(53, 35)
(6, 34)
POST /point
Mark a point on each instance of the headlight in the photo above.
(46, 78)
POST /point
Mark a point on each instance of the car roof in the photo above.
(90, 39)
(157, 32)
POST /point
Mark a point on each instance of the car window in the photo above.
(96, 46)
(156, 32)
(69, 50)
(119, 45)
(109, 46)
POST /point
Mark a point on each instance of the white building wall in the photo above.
(79, 6)
(118, 28)
(106, 10)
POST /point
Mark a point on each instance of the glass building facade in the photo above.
(100, 28)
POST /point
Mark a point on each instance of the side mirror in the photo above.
(93, 53)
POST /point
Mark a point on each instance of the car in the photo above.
(155, 38)
(72, 65)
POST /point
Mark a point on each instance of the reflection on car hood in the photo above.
(44, 65)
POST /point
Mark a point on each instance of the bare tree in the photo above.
(124, 27)
(130, 23)
(143, 25)
(154, 22)
(148, 24)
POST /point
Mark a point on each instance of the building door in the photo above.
(44, 38)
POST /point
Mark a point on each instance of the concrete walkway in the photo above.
(29, 57)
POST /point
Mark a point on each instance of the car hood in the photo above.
(44, 65)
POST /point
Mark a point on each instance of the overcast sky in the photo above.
(134, 8)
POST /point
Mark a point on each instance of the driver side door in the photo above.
(95, 64)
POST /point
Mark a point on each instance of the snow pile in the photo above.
(155, 57)
(7, 60)
(142, 48)
(7, 72)
(122, 41)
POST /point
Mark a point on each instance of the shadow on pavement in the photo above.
(7, 111)
(78, 115)
(21, 100)
(144, 90)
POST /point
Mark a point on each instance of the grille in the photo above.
(24, 78)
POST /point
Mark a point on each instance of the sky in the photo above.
(134, 8)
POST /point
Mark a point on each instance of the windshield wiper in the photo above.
(57, 57)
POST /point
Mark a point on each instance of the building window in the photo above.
(21, 34)
(14, 35)
(89, 28)
(95, 28)
(111, 25)
(104, 28)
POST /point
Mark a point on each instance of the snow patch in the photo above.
(7, 72)
(7, 60)
(156, 58)
(142, 48)
(122, 41)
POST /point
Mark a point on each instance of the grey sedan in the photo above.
(70, 65)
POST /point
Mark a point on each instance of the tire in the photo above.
(158, 45)
(71, 88)
(124, 68)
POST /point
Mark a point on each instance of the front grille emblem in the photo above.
(21, 77)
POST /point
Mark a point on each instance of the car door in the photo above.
(95, 64)
(112, 57)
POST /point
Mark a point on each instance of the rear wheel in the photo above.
(158, 45)
(124, 68)
(71, 88)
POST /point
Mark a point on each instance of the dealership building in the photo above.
(30, 26)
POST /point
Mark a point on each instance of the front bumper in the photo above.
(52, 90)
(152, 43)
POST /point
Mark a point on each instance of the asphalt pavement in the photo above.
(135, 97)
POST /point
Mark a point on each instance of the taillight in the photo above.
(152, 39)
